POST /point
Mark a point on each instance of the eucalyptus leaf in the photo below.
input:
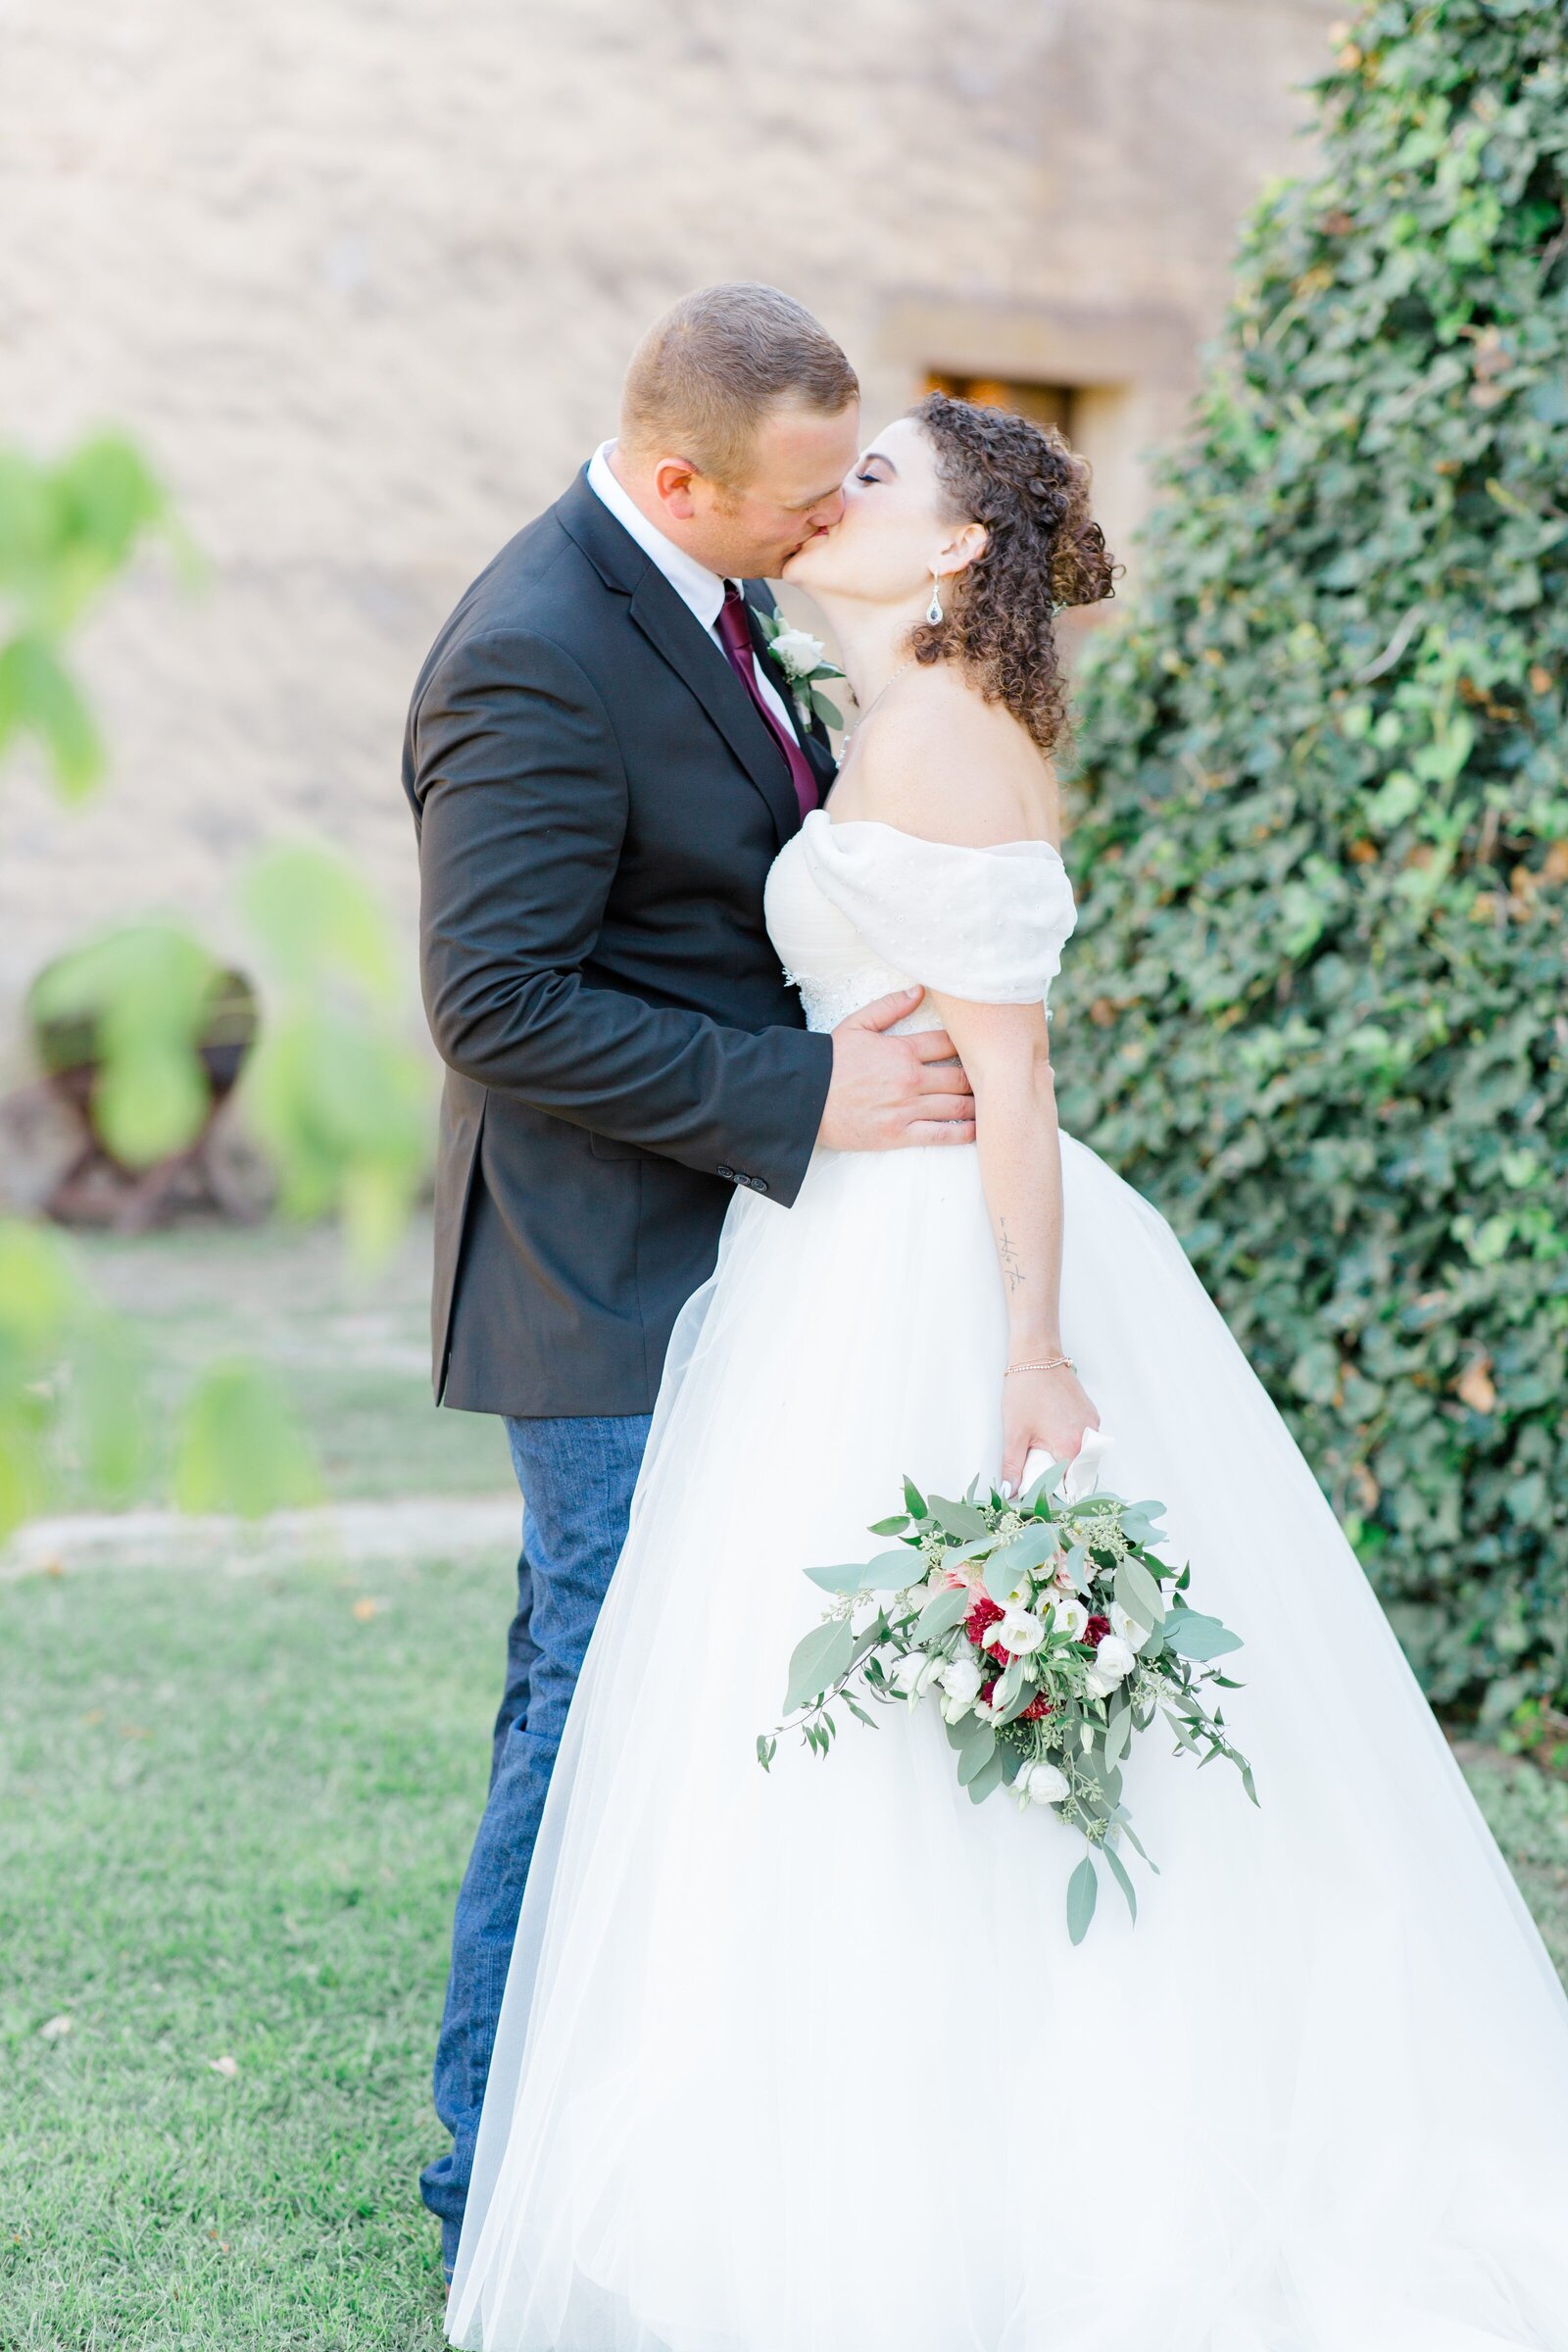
(976, 1753)
(1118, 1870)
(942, 1612)
(1193, 1635)
(1139, 1593)
(960, 1519)
(849, 1579)
(955, 1555)
(1132, 1838)
(891, 1571)
(818, 1661)
(1083, 1891)
(989, 1778)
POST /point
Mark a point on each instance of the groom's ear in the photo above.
(674, 485)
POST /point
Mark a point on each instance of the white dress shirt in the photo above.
(702, 590)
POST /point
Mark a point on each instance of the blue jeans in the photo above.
(577, 1477)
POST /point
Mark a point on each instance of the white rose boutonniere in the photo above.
(799, 655)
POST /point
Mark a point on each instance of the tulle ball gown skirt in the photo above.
(804, 2062)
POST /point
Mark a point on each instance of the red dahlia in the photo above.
(1038, 1705)
(981, 1618)
(987, 1691)
(1096, 1630)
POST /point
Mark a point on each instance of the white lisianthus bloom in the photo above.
(1071, 1615)
(797, 651)
(1127, 1628)
(955, 1709)
(1043, 1783)
(930, 1674)
(1114, 1663)
(961, 1678)
(1020, 1632)
(907, 1672)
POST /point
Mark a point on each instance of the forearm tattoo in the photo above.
(1011, 1263)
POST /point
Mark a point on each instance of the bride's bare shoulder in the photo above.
(940, 762)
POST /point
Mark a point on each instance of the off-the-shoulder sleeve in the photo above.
(986, 924)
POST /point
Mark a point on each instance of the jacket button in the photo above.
(728, 1175)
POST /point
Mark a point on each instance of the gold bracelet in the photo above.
(1045, 1363)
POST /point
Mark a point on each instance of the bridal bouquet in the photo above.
(1047, 1632)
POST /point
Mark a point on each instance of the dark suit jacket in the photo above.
(596, 802)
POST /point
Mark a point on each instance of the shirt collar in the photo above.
(696, 586)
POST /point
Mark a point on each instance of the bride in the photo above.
(804, 2062)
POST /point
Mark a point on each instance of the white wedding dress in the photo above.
(804, 2062)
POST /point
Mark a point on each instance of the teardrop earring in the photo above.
(933, 611)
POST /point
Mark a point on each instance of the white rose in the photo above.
(1113, 1662)
(1114, 1657)
(797, 651)
(1042, 1784)
(1127, 1627)
(961, 1678)
(1071, 1615)
(1019, 1632)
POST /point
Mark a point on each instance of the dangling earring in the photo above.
(933, 611)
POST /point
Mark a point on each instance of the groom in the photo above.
(602, 762)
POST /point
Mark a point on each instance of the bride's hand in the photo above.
(1049, 1410)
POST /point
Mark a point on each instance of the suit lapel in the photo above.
(696, 657)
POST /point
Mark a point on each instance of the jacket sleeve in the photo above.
(523, 808)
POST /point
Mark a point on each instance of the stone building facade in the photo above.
(361, 276)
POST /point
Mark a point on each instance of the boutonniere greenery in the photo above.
(799, 655)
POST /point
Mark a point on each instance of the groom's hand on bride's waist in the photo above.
(890, 1090)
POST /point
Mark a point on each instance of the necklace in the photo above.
(852, 733)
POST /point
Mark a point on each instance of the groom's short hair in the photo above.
(706, 375)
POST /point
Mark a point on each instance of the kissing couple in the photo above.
(751, 1197)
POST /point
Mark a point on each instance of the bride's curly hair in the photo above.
(1043, 551)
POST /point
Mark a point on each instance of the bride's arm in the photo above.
(1004, 1050)
(951, 770)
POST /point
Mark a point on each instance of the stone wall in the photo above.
(361, 276)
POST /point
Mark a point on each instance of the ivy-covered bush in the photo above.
(1317, 1007)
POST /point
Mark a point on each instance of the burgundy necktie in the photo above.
(736, 639)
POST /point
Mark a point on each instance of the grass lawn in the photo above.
(232, 1818)
(233, 1815)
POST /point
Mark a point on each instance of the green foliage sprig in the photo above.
(1316, 1007)
(335, 1090)
(66, 529)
